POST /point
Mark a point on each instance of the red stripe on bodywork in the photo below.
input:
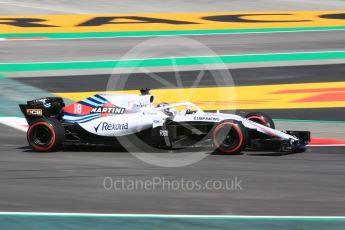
(84, 109)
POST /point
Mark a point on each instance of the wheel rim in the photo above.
(42, 136)
(228, 137)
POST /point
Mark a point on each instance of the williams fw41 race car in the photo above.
(104, 119)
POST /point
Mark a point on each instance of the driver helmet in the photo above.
(168, 111)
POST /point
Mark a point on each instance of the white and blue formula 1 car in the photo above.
(104, 119)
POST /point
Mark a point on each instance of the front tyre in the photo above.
(229, 137)
(46, 135)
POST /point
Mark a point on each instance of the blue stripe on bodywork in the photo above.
(71, 118)
(99, 99)
(91, 103)
(92, 99)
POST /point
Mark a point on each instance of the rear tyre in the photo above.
(229, 137)
(46, 135)
(261, 118)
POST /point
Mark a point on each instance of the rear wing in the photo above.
(43, 107)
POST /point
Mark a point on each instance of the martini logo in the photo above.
(113, 110)
(105, 126)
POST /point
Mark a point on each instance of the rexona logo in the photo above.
(140, 105)
(105, 126)
(114, 110)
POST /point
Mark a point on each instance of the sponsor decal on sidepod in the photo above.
(108, 126)
(114, 110)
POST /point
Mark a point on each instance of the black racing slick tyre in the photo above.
(261, 118)
(229, 137)
(46, 135)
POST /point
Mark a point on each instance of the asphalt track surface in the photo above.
(309, 183)
(115, 48)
